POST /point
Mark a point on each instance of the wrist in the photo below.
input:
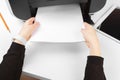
(26, 37)
(95, 49)
(95, 52)
(20, 40)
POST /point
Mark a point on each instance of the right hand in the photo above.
(91, 39)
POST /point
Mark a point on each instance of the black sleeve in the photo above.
(94, 69)
(11, 66)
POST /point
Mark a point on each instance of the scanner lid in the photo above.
(20, 9)
(24, 9)
(96, 5)
(40, 3)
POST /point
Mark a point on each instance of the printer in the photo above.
(24, 9)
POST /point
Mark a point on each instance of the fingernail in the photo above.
(83, 28)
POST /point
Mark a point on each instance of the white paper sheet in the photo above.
(59, 24)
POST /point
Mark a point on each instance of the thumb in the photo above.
(87, 25)
(36, 24)
(30, 21)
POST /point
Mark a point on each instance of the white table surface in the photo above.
(61, 61)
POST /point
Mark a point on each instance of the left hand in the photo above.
(28, 28)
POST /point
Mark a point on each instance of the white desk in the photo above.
(62, 61)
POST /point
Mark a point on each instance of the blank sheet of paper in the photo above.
(61, 23)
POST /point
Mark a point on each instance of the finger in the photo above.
(87, 25)
(83, 31)
(36, 24)
(29, 37)
(31, 20)
(88, 44)
(84, 35)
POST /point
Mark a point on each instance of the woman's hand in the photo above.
(91, 39)
(27, 30)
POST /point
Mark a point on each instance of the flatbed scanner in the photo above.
(24, 9)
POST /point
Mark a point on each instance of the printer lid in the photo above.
(40, 3)
(24, 9)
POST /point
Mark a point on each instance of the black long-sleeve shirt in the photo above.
(94, 69)
(11, 66)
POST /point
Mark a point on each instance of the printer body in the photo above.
(24, 9)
